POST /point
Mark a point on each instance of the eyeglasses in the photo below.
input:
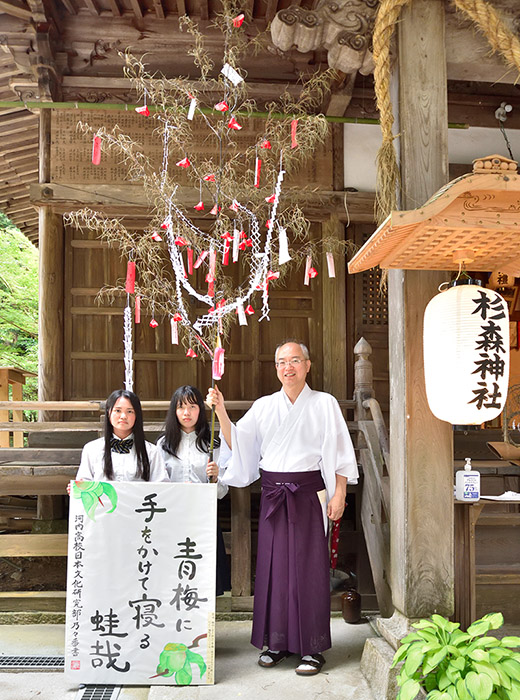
(289, 363)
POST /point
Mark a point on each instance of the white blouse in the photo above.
(189, 466)
(125, 465)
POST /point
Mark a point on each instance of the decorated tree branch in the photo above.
(244, 215)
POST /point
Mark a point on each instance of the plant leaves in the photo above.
(479, 655)
(431, 661)
(462, 691)
(479, 628)
(413, 660)
(195, 658)
(510, 642)
(492, 672)
(184, 676)
(399, 654)
(511, 667)
(479, 685)
(409, 690)
(495, 620)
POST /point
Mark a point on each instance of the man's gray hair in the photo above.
(304, 349)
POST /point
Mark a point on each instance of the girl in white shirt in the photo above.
(185, 450)
(122, 454)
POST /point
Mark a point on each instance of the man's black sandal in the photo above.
(274, 656)
(315, 660)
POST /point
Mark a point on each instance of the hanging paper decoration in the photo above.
(330, 265)
(192, 108)
(215, 210)
(466, 354)
(221, 106)
(283, 246)
(96, 150)
(209, 178)
(184, 163)
(237, 21)
(128, 355)
(199, 206)
(294, 126)
(266, 144)
(191, 353)
(153, 323)
(165, 224)
(180, 241)
(242, 319)
(312, 273)
(130, 277)
(137, 310)
(233, 124)
(199, 260)
(236, 240)
(271, 199)
(234, 205)
(174, 321)
(190, 260)
(144, 111)
(258, 167)
(231, 74)
(249, 310)
(217, 366)
(308, 263)
(156, 237)
(227, 244)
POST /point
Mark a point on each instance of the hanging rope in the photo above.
(501, 39)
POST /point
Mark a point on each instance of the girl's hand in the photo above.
(212, 471)
(215, 398)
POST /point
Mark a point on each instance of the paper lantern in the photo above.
(466, 354)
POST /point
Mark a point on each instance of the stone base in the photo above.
(378, 654)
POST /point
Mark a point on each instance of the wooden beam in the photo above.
(33, 545)
(92, 7)
(181, 7)
(136, 7)
(67, 4)
(159, 10)
(15, 9)
(203, 9)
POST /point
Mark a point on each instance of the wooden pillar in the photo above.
(4, 396)
(240, 542)
(50, 342)
(421, 477)
(334, 321)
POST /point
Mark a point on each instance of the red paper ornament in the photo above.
(215, 210)
(191, 353)
(199, 206)
(294, 126)
(268, 223)
(258, 167)
(143, 110)
(313, 272)
(271, 199)
(156, 237)
(130, 277)
(249, 310)
(138, 309)
(234, 205)
(266, 144)
(221, 106)
(165, 224)
(96, 150)
(153, 323)
(209, 178)
(233, 124)
(180, 241)
(177, 317)
(238, 20)
(184, 163)
(190, 261)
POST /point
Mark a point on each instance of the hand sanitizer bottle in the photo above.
(467, 483)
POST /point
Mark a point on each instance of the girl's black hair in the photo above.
(172, 428)
(143, 463)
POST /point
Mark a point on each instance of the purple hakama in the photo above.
(292, 590)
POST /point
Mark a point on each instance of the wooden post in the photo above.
(334, 322)
(17, 395)
(51, 335)
(421, 475)
(240, 542)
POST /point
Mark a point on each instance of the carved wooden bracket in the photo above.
(342, 27)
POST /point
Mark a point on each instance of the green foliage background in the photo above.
(18, 303)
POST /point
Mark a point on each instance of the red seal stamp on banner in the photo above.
(75, 665)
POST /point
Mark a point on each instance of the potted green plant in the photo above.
(449, 664)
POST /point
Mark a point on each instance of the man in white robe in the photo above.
(297, 439)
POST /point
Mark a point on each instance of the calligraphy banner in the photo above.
(141, 583)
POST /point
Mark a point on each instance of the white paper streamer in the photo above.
(175, 332)
(283, 246)
(330, 265)
(128, 354)
(230, 73)
(236, 241)
(193, 106)
(242, 318)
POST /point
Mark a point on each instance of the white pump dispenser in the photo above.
(467, 483)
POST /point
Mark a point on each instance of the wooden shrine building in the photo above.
(60, 64)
